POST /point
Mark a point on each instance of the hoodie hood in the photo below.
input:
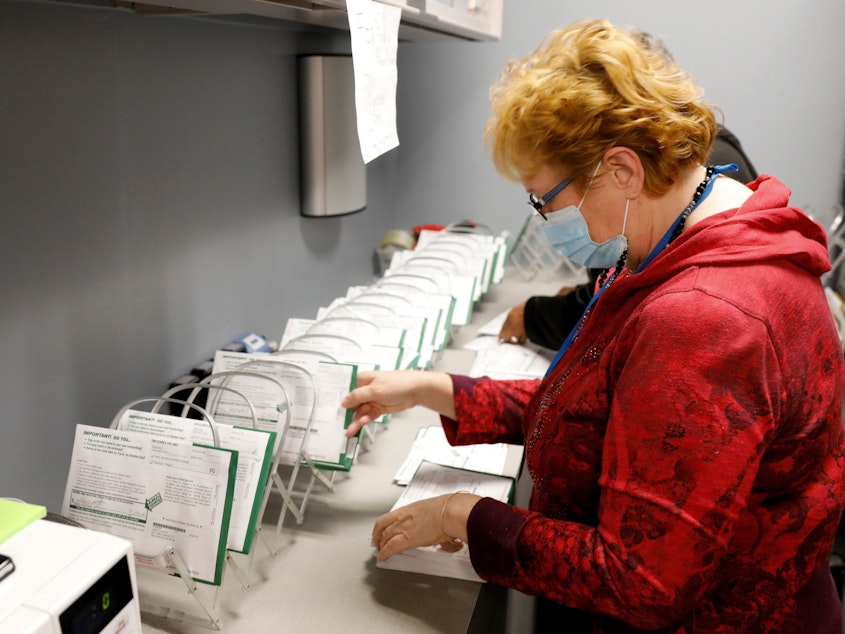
(764, 228)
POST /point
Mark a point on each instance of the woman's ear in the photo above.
(624, 171)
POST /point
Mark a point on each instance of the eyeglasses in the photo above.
(539, 203)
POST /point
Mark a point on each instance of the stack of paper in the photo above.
(432, 480)
(431, 445)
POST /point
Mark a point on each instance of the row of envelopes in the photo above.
(186, 476)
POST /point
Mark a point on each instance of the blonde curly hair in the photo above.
(590, 87)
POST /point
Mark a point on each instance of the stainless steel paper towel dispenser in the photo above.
(332, 172)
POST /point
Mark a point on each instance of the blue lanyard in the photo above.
(570, 338)
(664, 241)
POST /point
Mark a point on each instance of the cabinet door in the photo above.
(421, 19)
(472, 19)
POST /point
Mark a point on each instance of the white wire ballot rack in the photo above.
(533, 254)
(317, 571)
(186, 493)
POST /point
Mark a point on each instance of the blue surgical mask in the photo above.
(567, 231)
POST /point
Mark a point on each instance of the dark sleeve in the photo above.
(548, 320)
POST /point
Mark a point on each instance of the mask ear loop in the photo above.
(590, 184)
(625, 219)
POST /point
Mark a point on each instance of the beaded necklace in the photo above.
(679, 228)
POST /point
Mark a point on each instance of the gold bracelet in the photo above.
(443, 513)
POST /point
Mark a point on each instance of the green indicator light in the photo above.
(106, 600)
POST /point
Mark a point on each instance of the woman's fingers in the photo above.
(379, 393)
(362, 392)
(417, 524)
(364, 415)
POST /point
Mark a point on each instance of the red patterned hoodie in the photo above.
(687, 452)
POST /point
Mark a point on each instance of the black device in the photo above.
(7, 566)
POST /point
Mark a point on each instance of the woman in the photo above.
(686, 446)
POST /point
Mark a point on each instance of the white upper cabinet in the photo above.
(470, 19)
(476, 20)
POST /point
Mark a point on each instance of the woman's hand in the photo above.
(440, 520)
(388, 392)
(513, 330)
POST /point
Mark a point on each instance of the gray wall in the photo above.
(150, 213)
(149, 192)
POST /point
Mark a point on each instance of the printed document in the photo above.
(156, 493)
(318, 423)
(255, 453)
(431, 445)
(374, 30)
(507, 361)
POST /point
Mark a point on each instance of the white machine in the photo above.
(68, 580)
